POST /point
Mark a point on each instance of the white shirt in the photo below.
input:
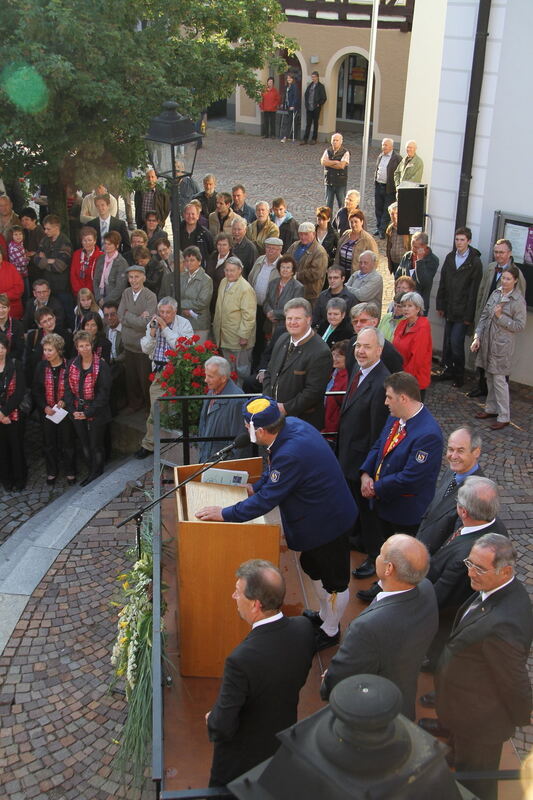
(472, 528)
(262, 280)
(112, 336)
(104, 226)
(383, 594)
(381, 177)
(265, 621)
(297, 341)
(136, 295)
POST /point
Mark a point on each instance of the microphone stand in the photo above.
(139, 514)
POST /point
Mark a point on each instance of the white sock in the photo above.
(322, 598)
(334, 609)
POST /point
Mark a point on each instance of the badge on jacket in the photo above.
(421, 456)
(274, 476)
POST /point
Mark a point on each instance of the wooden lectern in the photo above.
(208, 553)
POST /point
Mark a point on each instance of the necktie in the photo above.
(291, 348)
(454, 535)
(472, 607)
(354, 384)
(451, 486)
(495, 278)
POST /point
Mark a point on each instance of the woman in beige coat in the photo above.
(494, 341)
(234, 322)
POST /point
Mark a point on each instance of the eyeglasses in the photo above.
(477, 569)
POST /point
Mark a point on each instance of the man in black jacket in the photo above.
(262, 676)
(441, 520)
(482, 683)
(300, 367)
(477, 508)
(363, 414)
(314, 98)
(104, 223)
(456, 302)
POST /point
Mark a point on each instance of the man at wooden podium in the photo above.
(262, 676)
(317, 509)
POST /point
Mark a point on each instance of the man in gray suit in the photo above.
(462, 453)
(391, 636)
(220, 416)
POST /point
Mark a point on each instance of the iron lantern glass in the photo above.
(172, 143)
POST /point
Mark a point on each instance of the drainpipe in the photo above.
(476, 84)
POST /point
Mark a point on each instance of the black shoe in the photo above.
(434, 727)
(303, 142)
(71, 481)
(323, 641)
(142, 452)
(458, 381)
(376, 233)
(313, 616)
(51, 481)
(428, 700)
(369, 594)
(382, 236)
(366, 570)
(445, 375)
(8, 486)
(477, 392)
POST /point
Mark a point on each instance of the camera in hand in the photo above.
(153, 323)
(81, 405)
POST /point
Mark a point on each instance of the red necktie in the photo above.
(354, 384)
(454, 535)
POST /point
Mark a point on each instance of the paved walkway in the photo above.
(58, 723)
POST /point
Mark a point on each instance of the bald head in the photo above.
(402, 563)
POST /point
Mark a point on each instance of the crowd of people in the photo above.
(295, 309)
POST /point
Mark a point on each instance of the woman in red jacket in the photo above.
(412, 338)
(12, 285)
(337, 383)
(270, 102)
(83, 261)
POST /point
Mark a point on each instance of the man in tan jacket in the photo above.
(312, 261)
(234, 321)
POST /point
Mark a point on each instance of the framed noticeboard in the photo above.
(519, 231)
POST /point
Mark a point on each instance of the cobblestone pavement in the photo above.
(17, 507)
(58, 721)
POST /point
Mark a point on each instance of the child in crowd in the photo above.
(86, 303)
(18, 257)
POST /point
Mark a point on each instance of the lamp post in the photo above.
(172, 144)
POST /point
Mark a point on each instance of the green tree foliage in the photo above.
(80, 80)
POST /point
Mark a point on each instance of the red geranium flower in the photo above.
(187, 356)
(195, 385)
(151, 377)
(200, 348)
(195, 338)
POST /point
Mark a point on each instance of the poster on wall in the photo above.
(518, 236)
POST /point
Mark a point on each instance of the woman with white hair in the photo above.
(412, 339)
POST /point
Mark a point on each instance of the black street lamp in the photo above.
(172, 144)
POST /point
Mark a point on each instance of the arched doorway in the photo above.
(351, 92)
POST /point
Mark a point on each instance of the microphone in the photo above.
(241, 441)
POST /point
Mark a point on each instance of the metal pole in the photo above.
(369, 93)
(175, 215)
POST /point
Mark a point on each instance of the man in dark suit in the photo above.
(366, 315)
(440, 520)
(262, 676)
(482, 683)
(363, 414)
(477, 508)
(399, 474)
(104, 223)
(391, 636)
(300, 367)
(384, 186)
